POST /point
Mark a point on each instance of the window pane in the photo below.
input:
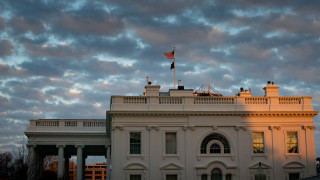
(135, 143)
(292, 142)
(171, 143)
(172, 177)
(215, 149)
(258, 142)
(135, 177)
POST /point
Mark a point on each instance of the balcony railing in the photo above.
(224, 103)
(68, 125)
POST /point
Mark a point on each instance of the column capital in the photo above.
(31, 145)
(60, 145)
(308, 127)
(79, 146)
(274, 127)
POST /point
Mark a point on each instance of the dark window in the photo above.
(294, 176)
(218, 137)
(215, 149)
(204, 177)
(216, 174)
(229, 177)
(171, 177)
(135, 143)
(171, 143)
(135, 177)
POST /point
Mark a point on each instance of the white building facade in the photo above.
(179, 136)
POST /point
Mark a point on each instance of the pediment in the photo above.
(293, 165)
(263, 166)
(135, 166)
(171, 166)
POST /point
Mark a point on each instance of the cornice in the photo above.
(218, 113)
(63, 134)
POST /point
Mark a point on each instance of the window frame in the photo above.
(164, 155)
(142, 144)
(263, 143)
(286, 142)
(176, 142)
(140, 148)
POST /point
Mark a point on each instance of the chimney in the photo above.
(271, 90)
(152, 90)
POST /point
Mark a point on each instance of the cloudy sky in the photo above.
(64, 59)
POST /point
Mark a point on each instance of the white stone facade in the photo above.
(145, 128)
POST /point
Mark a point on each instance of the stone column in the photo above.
(60, 161)
(109, 163)
(79, 161)
(32, 163)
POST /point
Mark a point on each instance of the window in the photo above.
(229, 177)
(135, 143)
(171, 143)
(204, 177)
(294, 176)
(215, 148)
(292, 142)
(135, 177)
(171, 177)
(215, 137)
(216, 174)
(258, 142)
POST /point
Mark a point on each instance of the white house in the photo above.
(182, 135)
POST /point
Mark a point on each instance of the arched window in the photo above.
(216, 174)
(215, 137)
(215, 149)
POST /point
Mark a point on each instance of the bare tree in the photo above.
(20, 160)
(6, 166)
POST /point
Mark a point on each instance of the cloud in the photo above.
(6, 47)
(11, 71)
(23, 25)
(2, 23)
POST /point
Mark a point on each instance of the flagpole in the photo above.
(174, 72)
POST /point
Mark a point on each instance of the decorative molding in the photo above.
(149, 128)
(186, 127)
(240, 127)
(274, 127)
(217, 113)
(308, 127)
(214, 128)
(117, 127)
